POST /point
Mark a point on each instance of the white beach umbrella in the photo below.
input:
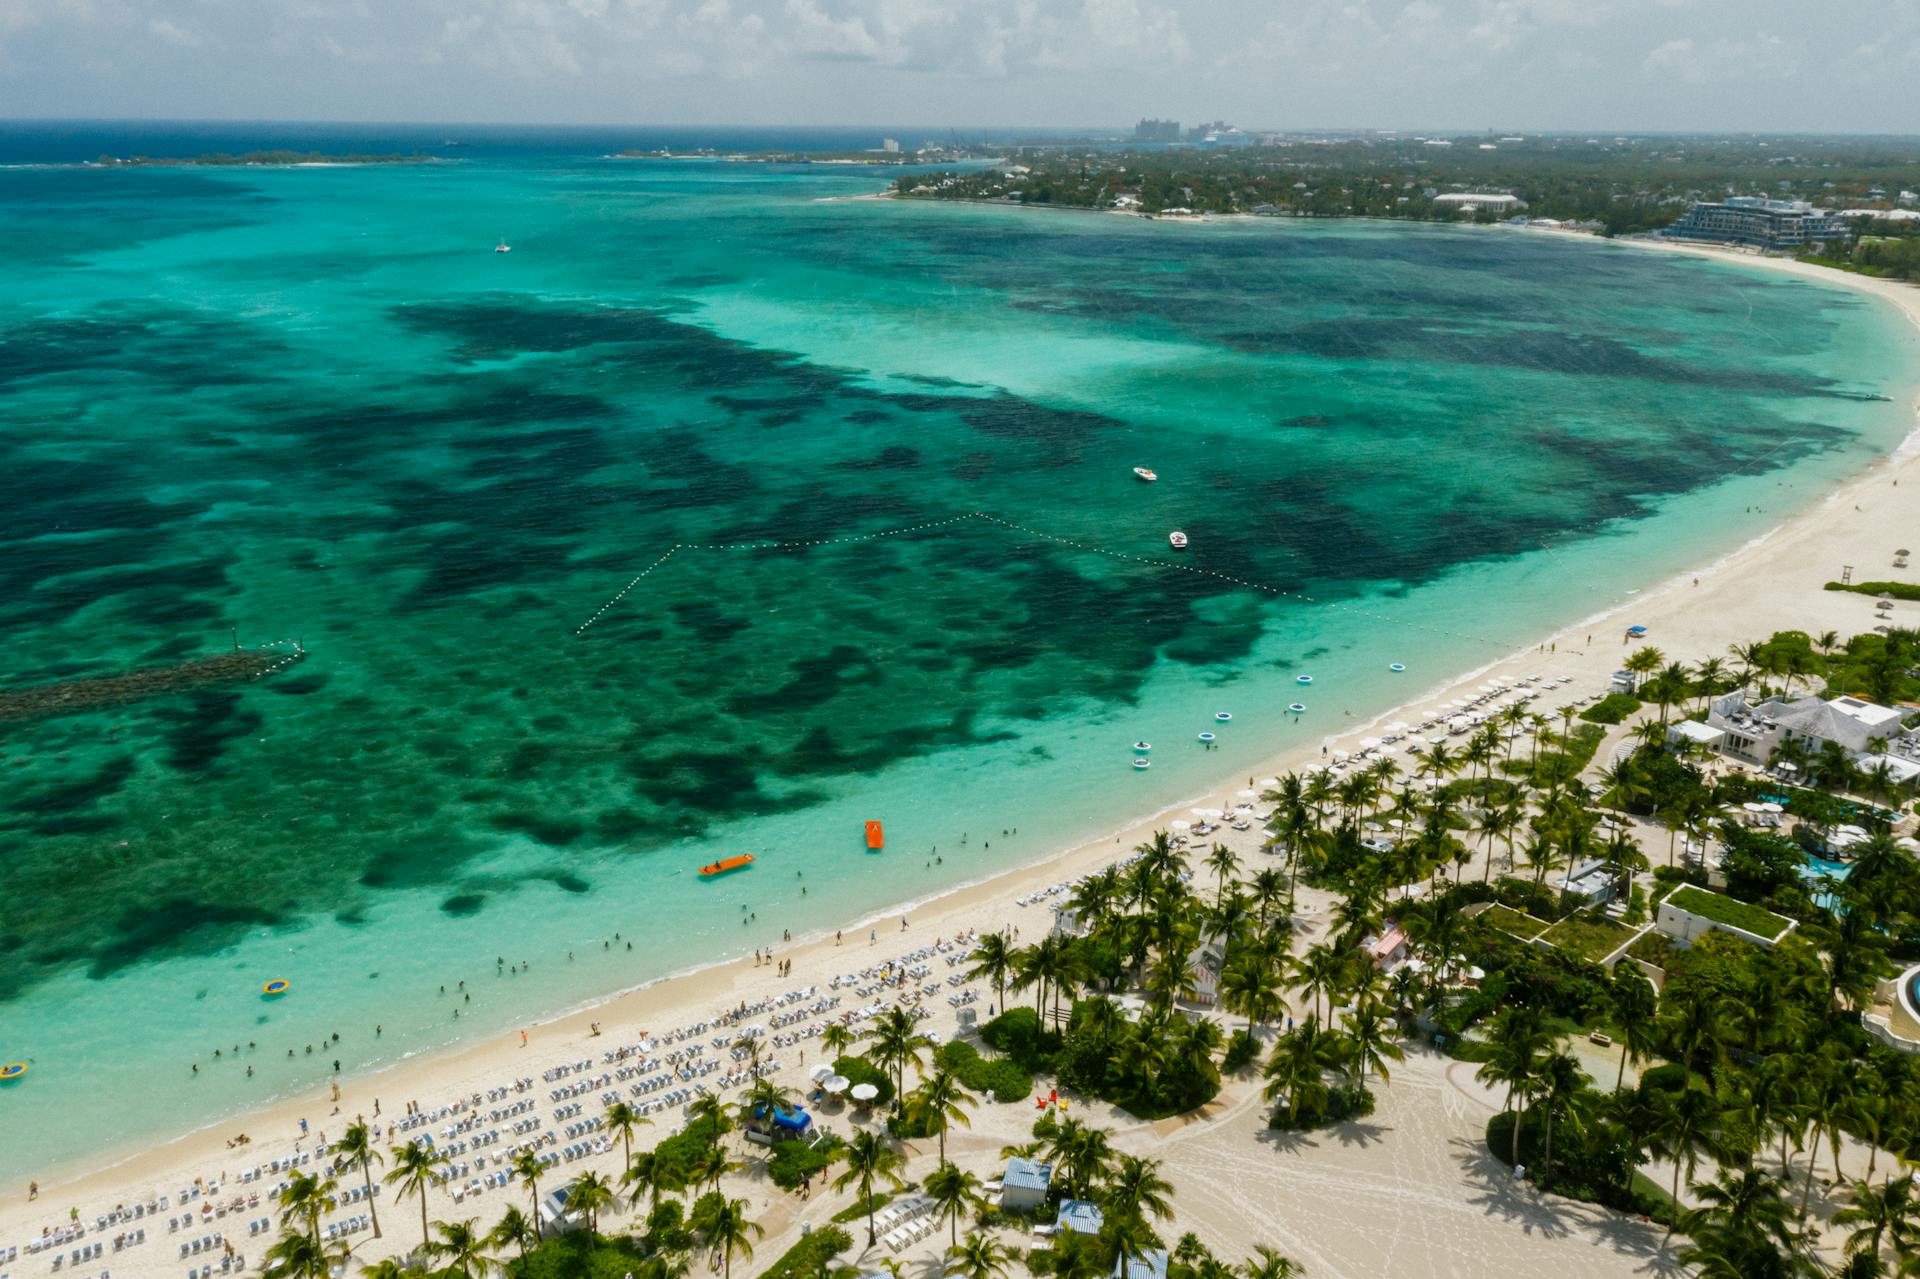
(835, 1083)
(1211, 812)
(1752, 807)
(821, 1072)
(1368, 743)
(1396, 823)
(864, 1092)
(1269, 781)
(1248, 792)
(1181, 825)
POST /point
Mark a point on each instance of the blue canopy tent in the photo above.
(795, 1121)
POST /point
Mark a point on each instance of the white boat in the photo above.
(503, 246)
(1177, 540)
(1145, 474)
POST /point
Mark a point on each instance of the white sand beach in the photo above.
(1408, 1192)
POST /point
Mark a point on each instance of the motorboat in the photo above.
(1177, 540)
(712, 869)
(503, 246)
(1145, 474)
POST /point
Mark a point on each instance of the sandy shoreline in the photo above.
(1772, 582)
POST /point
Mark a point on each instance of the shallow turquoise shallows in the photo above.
(915, 579)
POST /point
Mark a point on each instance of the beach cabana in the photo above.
(1151, 1264)
(1082, 1216)
(1025, 1184)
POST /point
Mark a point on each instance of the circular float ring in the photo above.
(278, 986)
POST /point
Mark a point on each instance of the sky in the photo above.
(1673, 65)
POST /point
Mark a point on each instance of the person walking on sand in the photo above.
(523, 1039)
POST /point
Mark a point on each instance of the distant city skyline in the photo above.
(1541, 65)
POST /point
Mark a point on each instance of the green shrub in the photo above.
(1242, 1051)
(1339, 1104)
(999, 1076)
(680, 1151)
(810, 1258)
(579, 1255)
(1594, 1164)
(1892, 590)
(1018, 1033)
(794, 1160)
(1611, 709)
(859, 1070)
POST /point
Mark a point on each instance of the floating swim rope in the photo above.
(1504, 645)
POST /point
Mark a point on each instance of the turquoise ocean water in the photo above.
(314, 404)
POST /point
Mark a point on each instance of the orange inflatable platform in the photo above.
(875, 837)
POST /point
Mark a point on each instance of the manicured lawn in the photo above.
(1727, 910)
(1513, 923)
(1591, 937)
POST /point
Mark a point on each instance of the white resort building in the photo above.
(1754, 731)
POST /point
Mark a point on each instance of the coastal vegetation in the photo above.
(1614, 185)
(1742, 1071)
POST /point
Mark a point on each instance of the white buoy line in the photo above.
(1148, 561)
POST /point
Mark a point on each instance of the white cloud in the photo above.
(1533, 64)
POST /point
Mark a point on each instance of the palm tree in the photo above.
(836, 1038)
(1369, 1036)
(591, 1193)
(528, 1167)
(993, 960)
(1635, 1006)
(305, 1199)
(723, 1227)
(1268, 1264)
(1297, 1069)
(1520, 1040)
(953, 1191)
(709, 1166)
(870, 1158)
(513, 1230)
(298, 1255)
(356, 1149)
(461, 1247)
(941, 1101)
(416, 1170)
(1080, 1152)
(1250, 986)
(1560, 1086)
(895, 1042)
(1684, 1124)
(621, 1119)
(1136, 1186)
(1222, 861)
(1890, 1214)
(1322, 971)
(980, 1257)
(1741, 1212)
